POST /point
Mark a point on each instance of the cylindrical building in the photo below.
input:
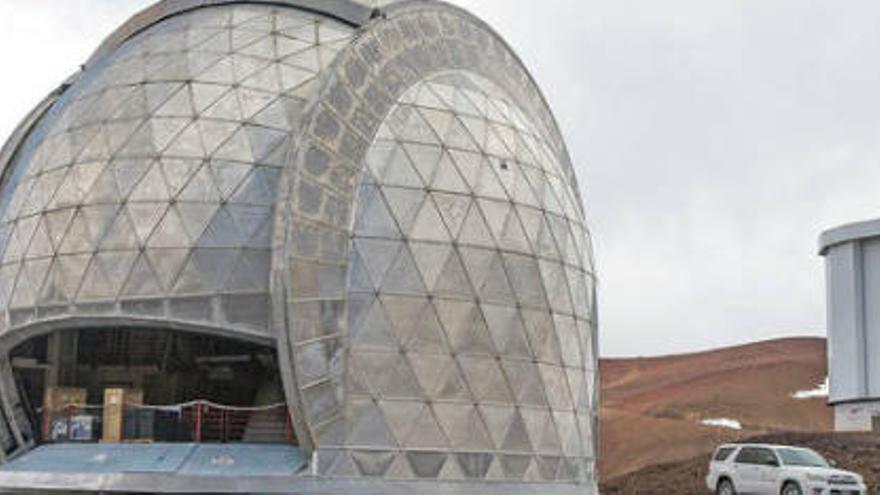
(852, 254)
(366, 213)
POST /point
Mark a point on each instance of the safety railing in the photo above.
(196, 421)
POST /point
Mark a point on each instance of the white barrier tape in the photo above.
(183, 405)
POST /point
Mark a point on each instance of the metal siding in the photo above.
(845, 339)
(871, 310)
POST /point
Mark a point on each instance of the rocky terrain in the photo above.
(855, 452)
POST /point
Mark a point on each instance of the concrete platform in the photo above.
(212, 469)
(154, 468)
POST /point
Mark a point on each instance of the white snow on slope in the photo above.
(821, 390)
(722, 423)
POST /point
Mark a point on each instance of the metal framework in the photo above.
(384, 195)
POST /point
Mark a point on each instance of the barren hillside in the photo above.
(653, 408)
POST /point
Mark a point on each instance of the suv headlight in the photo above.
(816, 478)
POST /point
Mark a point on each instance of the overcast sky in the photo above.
(714, 139)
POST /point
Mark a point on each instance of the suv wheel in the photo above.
(792, 488)
(725, 487)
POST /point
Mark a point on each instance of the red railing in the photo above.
(196, 421)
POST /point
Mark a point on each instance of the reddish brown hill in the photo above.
(652, 407)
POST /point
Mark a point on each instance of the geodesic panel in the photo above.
(148, 189)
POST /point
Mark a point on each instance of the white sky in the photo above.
(715, 140)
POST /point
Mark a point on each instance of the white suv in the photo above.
(777, 470)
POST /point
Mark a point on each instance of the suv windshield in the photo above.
(801, 457)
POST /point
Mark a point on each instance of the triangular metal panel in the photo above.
(474, 230)
(40, 245)
(187, 144)
(368, 427)
(128, 173)
(542, 430)
(440, 377)
(542, 335)
(167, 264)
(452, 280)
(409, 125)
(517, 437)
(104, 189)
(453, 208)
(401, 417)
(254, 101)
(475, 466)
(515, 466)
(214, 266)
(428, 225)
(556, 387)
(152, 186)
(398, 381)
(96, 284)
(98, 220)
(566, 331)
(201, 187)
(179, 104)
(525, 278)
(414, 323)
(526, 382)
(251, 274)
(369, 326)
(165, 130)
(373, 463)
(430, 260)
(507, 330)
(206, 95)
(425, 159)
(116, 265)
(215, 133)
(464, 426)
(403, 275)
(377, 254)
(568, 433)
(448, 178)
(465, 327)
(358, 278)
(265, 141)
(486, 379)
(76, 240)
(427, 465)
(404, 204)
(400, 469)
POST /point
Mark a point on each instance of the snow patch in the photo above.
(723, 423)
(821, 390)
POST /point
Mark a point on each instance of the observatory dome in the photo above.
(377, 193)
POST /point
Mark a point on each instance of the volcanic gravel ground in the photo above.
(859, 452)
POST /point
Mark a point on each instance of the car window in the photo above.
(746, 456)
(755, 455)
(801, 457)
(766, 457)
(723, 453)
